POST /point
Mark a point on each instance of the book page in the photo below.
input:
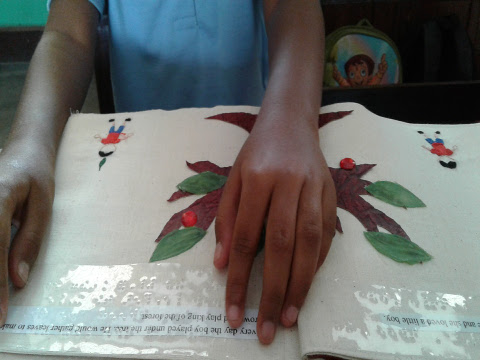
(93, 291)
(363, 304)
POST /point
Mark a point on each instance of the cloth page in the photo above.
(363, 305)
(107, 218)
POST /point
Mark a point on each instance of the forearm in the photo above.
(296, 39)
(57, 82)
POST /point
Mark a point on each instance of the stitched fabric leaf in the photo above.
(177, 242)
(394, 194)
(199, 167)
(202, 183)
(397, 248)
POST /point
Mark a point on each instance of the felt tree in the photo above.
(210, 179)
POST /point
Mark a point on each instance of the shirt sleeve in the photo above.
(99, 4)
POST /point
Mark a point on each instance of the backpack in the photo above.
(361, 55)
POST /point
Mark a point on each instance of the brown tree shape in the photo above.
(199, 167)
(246, 120)
(348, 185)
(205, 207)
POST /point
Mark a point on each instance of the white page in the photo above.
(112, 216)
(357, 287)
(135, 187)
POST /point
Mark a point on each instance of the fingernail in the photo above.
(268, 331)
(23, 271)
(233, 313)
(218, 252)
(291, 314)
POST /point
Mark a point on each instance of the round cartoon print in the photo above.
(361, 60)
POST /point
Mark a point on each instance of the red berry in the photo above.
(189, 219)
(347, 164)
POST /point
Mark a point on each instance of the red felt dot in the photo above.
(189, 219)
(347, 164)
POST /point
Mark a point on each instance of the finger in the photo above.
(248, 226)
(7, 209)
(329, 209)
(26, 244)
(383, 58)
(4, 248)
(279, 245)
(307, 249)
(225, 220)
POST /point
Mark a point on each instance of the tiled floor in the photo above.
(12, 77)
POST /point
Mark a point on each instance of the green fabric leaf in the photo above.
(202, 183)
(394, 194)
(397, 248)
(177, 242)
(101, 163)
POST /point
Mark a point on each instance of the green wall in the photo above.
(23, 13)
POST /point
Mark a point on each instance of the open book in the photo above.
(400, 281)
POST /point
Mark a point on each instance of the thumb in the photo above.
(26, 243)
(10, 198)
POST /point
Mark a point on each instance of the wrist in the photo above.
(39, 151)
(286, 128)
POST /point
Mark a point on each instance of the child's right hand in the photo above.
(26, 198)
(57, 82)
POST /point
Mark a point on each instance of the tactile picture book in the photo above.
(126, 269)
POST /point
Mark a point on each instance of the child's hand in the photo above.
(280, 174)
(26, 198)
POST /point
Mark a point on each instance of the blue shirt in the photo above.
(171, 54)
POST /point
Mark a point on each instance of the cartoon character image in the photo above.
(359, 70)
(109, 142)
(438, 148)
